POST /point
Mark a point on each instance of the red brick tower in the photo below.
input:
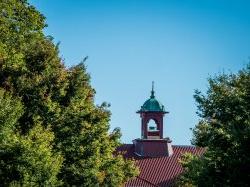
(152, 143)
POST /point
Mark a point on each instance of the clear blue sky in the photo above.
(130, 43)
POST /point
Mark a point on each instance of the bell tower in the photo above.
(152, 111)
(152, 143)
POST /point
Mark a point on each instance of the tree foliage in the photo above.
(25, 159)
(225, 131)
(53, 117)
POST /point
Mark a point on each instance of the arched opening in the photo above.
(153, 131)
(152, 126)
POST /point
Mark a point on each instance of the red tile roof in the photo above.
(139, 182)
(158, 171)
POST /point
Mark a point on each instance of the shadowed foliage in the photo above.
(53, 117)
(224, 129)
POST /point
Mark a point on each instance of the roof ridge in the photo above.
(147, 181)
(184, 145)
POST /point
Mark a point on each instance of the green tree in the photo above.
(224, 130)
(25, 159)
(82, 135)
(58, 101)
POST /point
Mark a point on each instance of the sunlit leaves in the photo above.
(51, 130)
(224, 131)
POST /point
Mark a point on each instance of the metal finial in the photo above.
(152, 91)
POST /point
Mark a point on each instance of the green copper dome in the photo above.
(152, 104)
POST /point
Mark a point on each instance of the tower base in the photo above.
(153, 147)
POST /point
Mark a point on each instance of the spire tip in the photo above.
(152, 91)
